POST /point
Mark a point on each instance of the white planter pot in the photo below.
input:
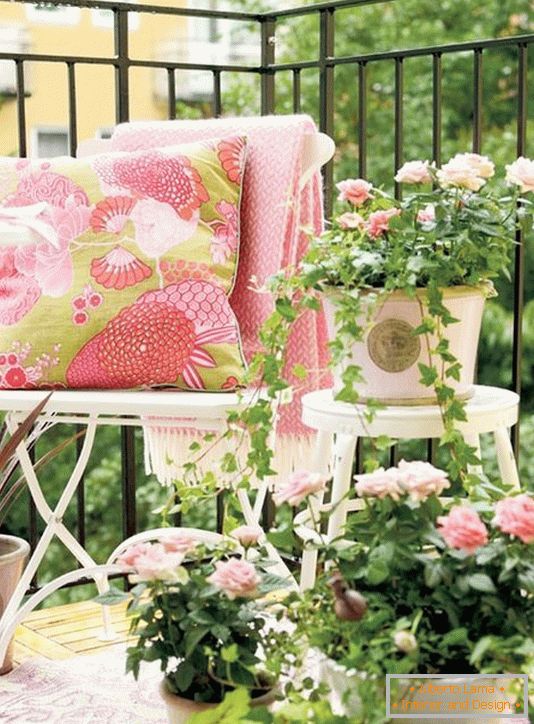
(13, 554)
(179, 710)
(343, 685)
(344, 699)
(390, 352)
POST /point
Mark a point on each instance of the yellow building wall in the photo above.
(47, 105)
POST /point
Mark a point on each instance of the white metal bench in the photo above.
(203, 411)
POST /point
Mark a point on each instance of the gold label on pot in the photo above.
(393, 346)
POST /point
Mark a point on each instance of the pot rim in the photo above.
(484, 289)
(266, 698)
(22, 549)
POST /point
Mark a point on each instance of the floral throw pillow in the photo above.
(115, 269)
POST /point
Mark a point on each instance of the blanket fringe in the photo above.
(166, 450)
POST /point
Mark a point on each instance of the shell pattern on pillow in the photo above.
(118, 269)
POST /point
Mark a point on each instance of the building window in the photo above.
(49, 142)
(104, 18)
(105, 132)
(53, 15)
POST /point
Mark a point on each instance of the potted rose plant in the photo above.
(199, 611)
(429, 585)
(405, 280)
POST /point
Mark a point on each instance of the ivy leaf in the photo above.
(428, 374)
(299, 371)
(234, 706)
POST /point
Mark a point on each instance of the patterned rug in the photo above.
(82, 690)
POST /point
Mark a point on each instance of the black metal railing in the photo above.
(325, 62)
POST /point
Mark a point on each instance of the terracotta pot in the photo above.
(13, 554)
(390, 352)
(179, 710)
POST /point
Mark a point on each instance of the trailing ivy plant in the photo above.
(454, 230)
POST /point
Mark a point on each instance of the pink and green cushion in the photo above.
(122, 277)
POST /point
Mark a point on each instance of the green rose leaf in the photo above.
(481, 582)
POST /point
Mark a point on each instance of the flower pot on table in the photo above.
(13, 555)
(390, 352)
(180, 709)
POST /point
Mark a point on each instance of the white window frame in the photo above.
(105, 132)
(57, 15)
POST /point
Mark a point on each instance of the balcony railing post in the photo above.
(436, 108)
(122, 114)
(477, 100)
(362, 119)
(268, 39)
(399, 121)
(21, 109)
(326, 95)
(519, 261)
(122, 90)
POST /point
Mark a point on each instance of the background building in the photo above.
(27, 28)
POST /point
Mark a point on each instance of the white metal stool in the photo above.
(490, 410)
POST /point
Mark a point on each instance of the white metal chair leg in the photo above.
(320, 464)
(506, 458)
(343, 460)
(54, 525)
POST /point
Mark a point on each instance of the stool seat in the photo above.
(488, 409)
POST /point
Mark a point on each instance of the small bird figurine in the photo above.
(349, 605)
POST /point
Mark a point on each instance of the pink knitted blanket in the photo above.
(275, 217)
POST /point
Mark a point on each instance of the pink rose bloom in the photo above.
(301, 484)
(521, 173)
(420, 479)
(350, 220)
(354, 190)
(463, 529)
(247, 535)
(127, 559)
(414, 172)
(379, 484)
(482, 165)
(156, 564)
(460, 172)
(178, 543)
(426, 215)
(516, 517)
(237, 578)
(378, 222)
